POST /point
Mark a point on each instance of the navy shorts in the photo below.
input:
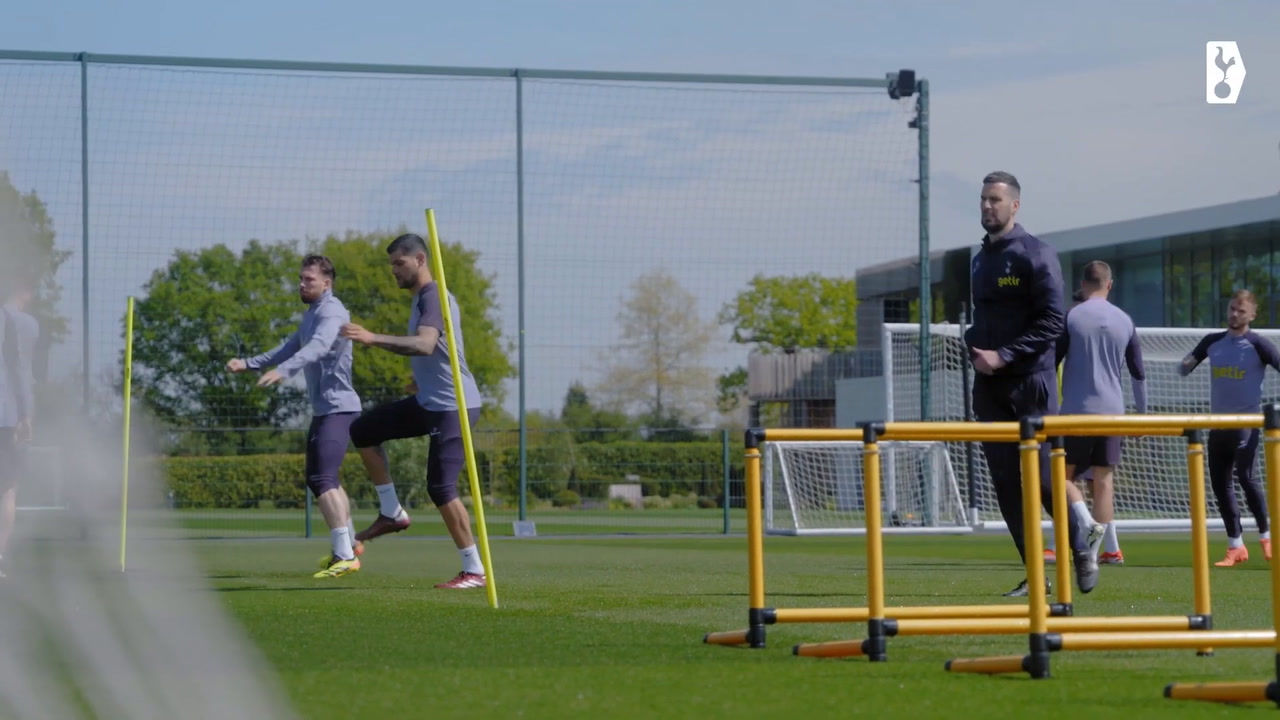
(326, 446)
(406, 418)
(1085, 452)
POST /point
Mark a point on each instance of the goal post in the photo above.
(816, 488)
(1151, 491)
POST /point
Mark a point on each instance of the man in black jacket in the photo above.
(1018, 311)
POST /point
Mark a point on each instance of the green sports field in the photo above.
(607, 627)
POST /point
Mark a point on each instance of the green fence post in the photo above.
(726, 474)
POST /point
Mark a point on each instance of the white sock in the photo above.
(341, 539)
(1048, 541)
(471, 560)
(351, 528)
(1266, 535)
(1235, 542)
(1082, 511)
(1110, 540)
(388, 500)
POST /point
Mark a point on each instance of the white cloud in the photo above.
(1109, 144)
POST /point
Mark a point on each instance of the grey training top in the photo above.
(1238, 363)
(1099, 343)
(324, 358)
(433, 373)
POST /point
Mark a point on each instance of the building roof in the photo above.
(1182, 222)
(898, 275)
(902, 275)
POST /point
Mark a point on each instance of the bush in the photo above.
(566, 498)
(556, 473)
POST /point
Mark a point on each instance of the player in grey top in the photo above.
(1238, 357)
(325, 360)
(1099, 343)
(433, 410)
(19, 333)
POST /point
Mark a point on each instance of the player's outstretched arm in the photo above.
(328, 323)
(424, 343)
(274, 356)
(1267, 352)
(1197, 356)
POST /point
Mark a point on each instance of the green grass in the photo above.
(598, 628)
(273, 522)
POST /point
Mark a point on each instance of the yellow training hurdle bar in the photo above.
(889, 623)
(881, 619)
(1043, 639)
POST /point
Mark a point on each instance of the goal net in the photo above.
(1151, 487)
(816, 488)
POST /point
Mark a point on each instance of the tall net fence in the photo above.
(582, 216)
(1151, 481)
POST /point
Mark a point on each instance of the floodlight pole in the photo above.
(921, 123)
(905, 84)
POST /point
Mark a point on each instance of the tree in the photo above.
(788, 313)
(593, 424)
(657, 367)
(203, 308)
(366, 287)
(209, 305)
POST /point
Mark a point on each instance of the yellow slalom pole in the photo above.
(128, 400)
(437, 270)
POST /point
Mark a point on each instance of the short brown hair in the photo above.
(321, 263)
(1097, 274)
(1001, 177)
(1245, 295)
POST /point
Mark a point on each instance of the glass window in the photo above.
(1204, 302)
(1228, 263)
(1177, 289)
(1140, 248)
(1140, 281)
(1258, 277)
(1180, 243)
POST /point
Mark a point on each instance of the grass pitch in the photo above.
(601, 627)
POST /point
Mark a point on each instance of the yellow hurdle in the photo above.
(1266, 691)
(875, 613)
(909, 612)
(1048, 634)
(1052, 628)
(1163, 640)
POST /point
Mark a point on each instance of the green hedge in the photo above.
(663, 469)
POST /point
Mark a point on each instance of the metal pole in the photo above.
(84, 225)
(725, 476)
(970, 468)
(520, 298)
(926, 284)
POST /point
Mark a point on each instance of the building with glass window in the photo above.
(1172, 270)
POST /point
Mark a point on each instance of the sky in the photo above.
(1097, 108)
